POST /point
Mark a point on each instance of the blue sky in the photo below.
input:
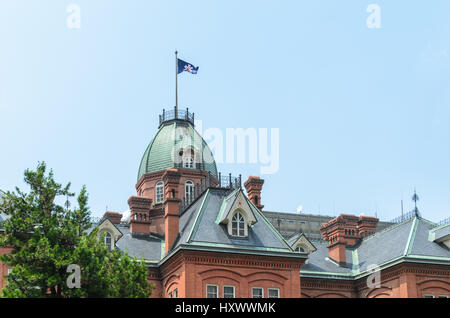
(364, 114)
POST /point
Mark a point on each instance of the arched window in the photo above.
(108, 241)
(159, 192)
(189, 191)
(300, 249)
(238, 225)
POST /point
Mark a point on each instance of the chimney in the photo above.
(344, 231)
(254, 186)
(140, 215)
(114, 217)
(367, 225)
(171, 179)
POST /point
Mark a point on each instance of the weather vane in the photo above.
(415, 198)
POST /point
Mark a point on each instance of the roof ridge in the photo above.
(412, 236)
(200, 212)
(427, 221)
(389, 228)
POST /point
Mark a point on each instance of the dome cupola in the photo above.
(177, 145)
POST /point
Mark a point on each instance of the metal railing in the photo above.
(443, 222)
(229, 183)
(404, 217)
(174, 114)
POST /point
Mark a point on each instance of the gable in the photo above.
(304, 243)
(108, 226)
(237, 202)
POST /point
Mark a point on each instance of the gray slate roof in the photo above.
(147, 247)
(199, 230)
(402, 241)
(199, 227)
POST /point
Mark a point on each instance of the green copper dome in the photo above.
(177, 145)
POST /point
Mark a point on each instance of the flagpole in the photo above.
(176, 84)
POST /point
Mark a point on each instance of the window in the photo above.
(188, 162)
(108, 241)
(9, 271)
(300, 249)
(274, 293)
(238, 225)
(170, 295)
(175, 293)
(189, 191)
(212, 291)
(428, 296)
(159, 192)
(228, 292)
(257, 292)
(442, 296)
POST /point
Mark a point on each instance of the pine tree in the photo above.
(46, 238)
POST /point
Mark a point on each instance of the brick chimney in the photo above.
(254, 186)
(171, 179)
(114, 217)
(345, 231)
(367, 225)
(140, 214)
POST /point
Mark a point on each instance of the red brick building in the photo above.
(202, 236)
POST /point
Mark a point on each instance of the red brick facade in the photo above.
(189, 272)
(400, 281)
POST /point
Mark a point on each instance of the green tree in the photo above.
(46, 238)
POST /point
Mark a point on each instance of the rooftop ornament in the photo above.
(176, 114)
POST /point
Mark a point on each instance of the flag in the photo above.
(185, 66)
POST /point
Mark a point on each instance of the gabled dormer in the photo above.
(300, 243)
(112, 233)
(236, 214)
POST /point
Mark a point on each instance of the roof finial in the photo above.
(415, 198)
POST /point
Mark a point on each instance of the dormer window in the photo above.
(159, 192)
(108, 241)
(238, 225)
(188, 162)
(187, 158)
(109, 233)
(237, 215)
(300, 244)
